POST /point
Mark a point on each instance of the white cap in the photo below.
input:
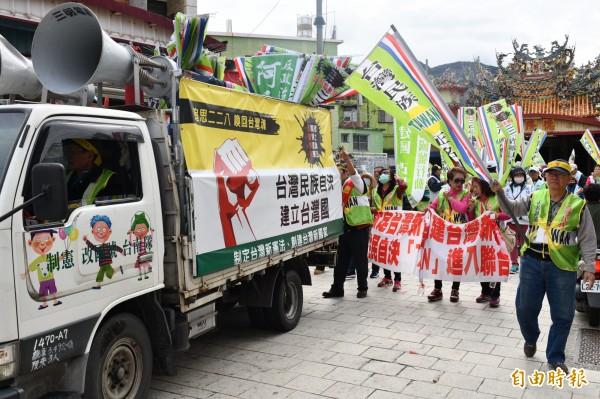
(535, 169)
(490, 164)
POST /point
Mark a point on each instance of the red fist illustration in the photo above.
(237, 184)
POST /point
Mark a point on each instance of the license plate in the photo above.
(595, 288)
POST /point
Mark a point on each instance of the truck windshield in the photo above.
(11, 123)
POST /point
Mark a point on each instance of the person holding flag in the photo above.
(561, 230)
(354, 242)
(452, 205)
(516, 189)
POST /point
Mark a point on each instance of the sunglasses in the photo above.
(459, 181)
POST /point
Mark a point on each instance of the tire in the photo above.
(286, 309)
(581, 305)
(594, 317)
(120, 360)
(258, 317)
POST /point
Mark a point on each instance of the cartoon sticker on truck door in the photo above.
(44, 264)
(104, 251)
(140, 228)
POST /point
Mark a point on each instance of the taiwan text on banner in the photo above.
(473, 251)
(395, 242)
(413, 242)
(533, 146)
(588, 142)
(467, 118)
(502, 137)
(412, 162)
(393, 79)
(263, 175)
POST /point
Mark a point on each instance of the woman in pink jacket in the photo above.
(452, 205)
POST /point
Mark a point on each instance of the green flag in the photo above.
(412, 162)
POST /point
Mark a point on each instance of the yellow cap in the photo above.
(559, 166)
(86, 145)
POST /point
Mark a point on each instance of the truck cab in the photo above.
(61, 279)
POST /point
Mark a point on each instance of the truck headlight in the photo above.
(8, 360)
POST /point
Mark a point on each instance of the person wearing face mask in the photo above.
(452, 205)
(389, 195)
(514, 190)
(573, 188)
(376, 172)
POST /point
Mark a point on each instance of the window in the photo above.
(11, 123)
(360, 142)
(384, 117)
(350, 114)
(101, 161)
(345, 137)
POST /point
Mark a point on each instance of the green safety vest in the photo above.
(390, 202)
(92, 190)
(450, 215)
(357, 210)
(490, 205)
(562, 239)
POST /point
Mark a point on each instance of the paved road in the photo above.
(388, 345)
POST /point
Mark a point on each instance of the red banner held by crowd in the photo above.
(425, 244)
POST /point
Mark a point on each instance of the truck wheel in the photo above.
(594, 317)
(120, 360)
(286, 310)
(258, 316)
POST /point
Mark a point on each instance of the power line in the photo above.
(265, 17)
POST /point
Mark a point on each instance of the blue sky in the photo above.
(436, 30)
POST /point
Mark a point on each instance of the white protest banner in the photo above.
(425, 244)
(397, 234)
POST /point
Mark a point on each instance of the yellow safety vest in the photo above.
(390, 202)
(490, 205)
(559, 234)
(92, 190)
(357, 210)
(446, 212)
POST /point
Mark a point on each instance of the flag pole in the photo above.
(503, 202)
(429, 89)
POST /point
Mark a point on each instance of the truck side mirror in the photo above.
(49, 178)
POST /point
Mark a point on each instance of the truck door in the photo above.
(106, 249)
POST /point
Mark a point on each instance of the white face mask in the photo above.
(519, 179)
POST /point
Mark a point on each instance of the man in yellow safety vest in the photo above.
(87, 179)
(354, 242)
(560, 231)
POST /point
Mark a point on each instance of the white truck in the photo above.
(214, 201)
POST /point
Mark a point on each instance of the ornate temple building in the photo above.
(556, 96)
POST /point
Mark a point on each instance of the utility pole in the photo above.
(319, 23)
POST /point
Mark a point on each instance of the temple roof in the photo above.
(541, 81)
